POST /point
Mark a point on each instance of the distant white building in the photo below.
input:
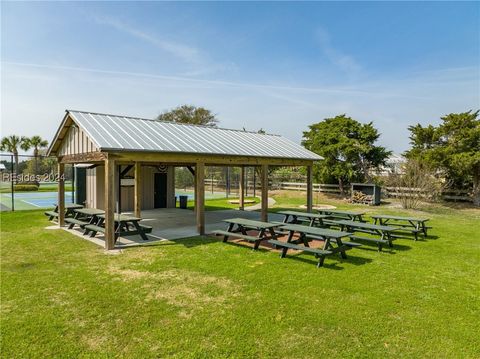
(394, 165)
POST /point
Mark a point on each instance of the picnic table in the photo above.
(383, 233)
(328, 236)
(69, 210)
(238, 227)
(83, 216)
(124, 226)
(411, 224)
(295, 217)
(339, 214)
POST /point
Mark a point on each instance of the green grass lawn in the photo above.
(216, 204)
(64, 297)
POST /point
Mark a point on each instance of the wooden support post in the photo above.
(61, 194)
(200, 197)
(138, 190)
(309, 188)
(264, 179)
(241, 189)
(109, 203)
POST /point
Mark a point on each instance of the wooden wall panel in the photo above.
(76, 141)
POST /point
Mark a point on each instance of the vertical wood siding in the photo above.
(76, 141)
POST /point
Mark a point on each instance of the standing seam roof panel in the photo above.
(137, 133)
(115, 131)
(159, 136)
(185, 146)
(104, 131)
(91, 130)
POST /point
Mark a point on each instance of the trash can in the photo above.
(183, 201)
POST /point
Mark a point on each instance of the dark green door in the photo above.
(160, 190)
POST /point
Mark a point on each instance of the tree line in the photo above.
(449, 152)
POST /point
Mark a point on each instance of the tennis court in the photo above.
(31, 200)
(35, 200)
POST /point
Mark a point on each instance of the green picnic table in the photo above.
(384, 233)
(328, 236)
(69, 208)
(295, 217)
(124, 226)
(411, 224)
(83, 216)
(238, 227)
(339, 214)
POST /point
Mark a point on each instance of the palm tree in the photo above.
(37, 143)
(11, 144)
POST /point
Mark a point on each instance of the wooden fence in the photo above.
(387, 192)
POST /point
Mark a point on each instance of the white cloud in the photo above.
(343, 61)
(182, 51)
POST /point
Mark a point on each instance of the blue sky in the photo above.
(276, 66)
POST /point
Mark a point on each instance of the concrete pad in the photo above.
(173, 224)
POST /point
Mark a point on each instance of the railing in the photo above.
(448, 195)
(317, 187)
(387, 192)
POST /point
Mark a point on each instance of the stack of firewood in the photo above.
(360, 197)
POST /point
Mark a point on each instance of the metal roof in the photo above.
(121, 133)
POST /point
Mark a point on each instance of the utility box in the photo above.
(366, 193)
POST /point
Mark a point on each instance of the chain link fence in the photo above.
(31, 182)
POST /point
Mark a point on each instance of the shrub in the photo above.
(25, 187)
(418, 183)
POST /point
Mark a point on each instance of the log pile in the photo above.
(360, 197)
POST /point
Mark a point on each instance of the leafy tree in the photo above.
(190, 115)
(348, 148)
(37, 143)
(11, 144)
(453, 148)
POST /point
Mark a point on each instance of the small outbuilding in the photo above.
(130, 162)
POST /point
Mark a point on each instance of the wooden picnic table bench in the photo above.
(238, 227)
(123, 226)
(410, 224)
(69, 208)
(296, 217)
(383, 233)
(339, 214)
(328, 236)
(83, 216)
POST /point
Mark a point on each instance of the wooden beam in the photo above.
(61, 194)
(309, 188)
(125, 170)
(200, 197)
(109, 203)
(241, 189)
(84, 157)
(138, 190)
(217, 160)
(264, 179)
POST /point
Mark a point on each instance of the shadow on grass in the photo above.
(355, 260)
(366, 246)
(191, 242)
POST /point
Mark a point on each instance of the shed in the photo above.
(132, 147)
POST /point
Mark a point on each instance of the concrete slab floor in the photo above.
(174, 224)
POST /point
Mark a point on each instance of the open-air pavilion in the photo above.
(145, 153)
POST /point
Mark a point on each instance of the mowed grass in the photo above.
(64, 297)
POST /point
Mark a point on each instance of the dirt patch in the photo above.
(128, 274)
(180, 288)
(94, 342)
